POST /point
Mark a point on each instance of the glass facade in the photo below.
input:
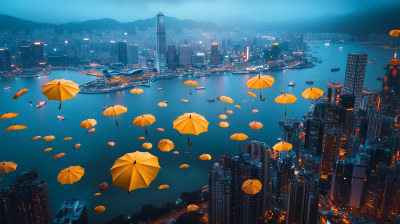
(161, 48)
(355, 73)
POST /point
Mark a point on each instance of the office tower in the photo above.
(355, 73)
(171, 60)
(122, 52)
(330, 153)
(133, 55)
(185, 55)
(214, 54)
(198, 59)
(359, 180)
(260, 152)
(285, 163)
(161, 51)
(375, 191)
(26, 201)
(390, 93)
(72, 211)
(275, 51)
(244, 207)
(224, 46)
(333, 91)
(332, 116)
(303, 199)
(5, 62)
(26, 56)
(291, 134)
(391, 194)
(341, 182)
(37, 53)
(142, 62)
(374, 126)
(219, 196)
(225, 160)
(113, 48)
(314, 135)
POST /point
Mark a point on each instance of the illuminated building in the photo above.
(72, 211)
(142, 62)
(314, 135)
(341, 182)
(275, 51)
(133, 55)
(26, 57)
(286, 163)
(375, 191)
(37, 53)
(333, 91)
(198, 59)
(185, 55)
(219, 199)
(214, 54)
(248, 53)
(390, 93)
(303, 199)
(171, 59)
(122, 52)
(329, 155)
(355, 73)
(26, 201)
(359, 180)
(5, 63)
(224, 45)
(291, 134)
(161, 46)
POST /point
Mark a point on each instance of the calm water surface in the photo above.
(97, 158)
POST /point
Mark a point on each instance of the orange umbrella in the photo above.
(8, 116)
(21, 93)
(76, 146)
(16, 127)
(48, 138)
(48, 149)
(176, 152)
(191, 83)
(226, 99)
(282, 146)
(255, 111)
(97, 194)
(114, 110)
(205, 157)
(184, 166)
(60, 90)
(222, 116)
(255, 125)
(260, 82)
(162, 104)
(239, 137)
(285, 99)
(192, 208)
(136, 91)
(111, 144)
(88, 123)
(6, 167)
(99, 209)
(160, 129)
(144, 120)
(91, 131)
(252, 94)
(166, 145)
(164, 186)
(141, 138)
(59, 155)
(251, 186)
(229, 112)
(103, 186)
(147, 145)
(35, 138)
(237, 106)
(223, 124)
(67, 139)
(70, 175)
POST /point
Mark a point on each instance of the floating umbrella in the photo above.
(60, 90)
(99, 209)
(6, 167)
(160, 129)
(91, 131)
(88, 123)
(229, 112)
(312, 93)
(205, 157)
(135, 170)
(77, 146)
(48, 149)
(144, 120)
(70, 175)
(237, 106)
(162, 104)
(141, 138)
(97, 194)
(147, 145)
(191, 83)
(114, 110)
(36, 138)
(16, 128)
(166, 145)
(255, 125)
(285, 99)
(226, 100)
(184, 166)
(67, 139)
(164, 186)
(103, 186)
(192, 208)
(21, 93)
(48, 138)
(8, 116)
(136, 91)
(282, 146)
(59, 155)
(252, 94)
(222, 116)
(251, 186)
(395, 33)
(111, 144)
(239, 137)
(260, 82)
(255, 111)
(191, 123)
(223, 124)
(176, 152)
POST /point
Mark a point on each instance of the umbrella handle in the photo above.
(129, 193)
(190, 144)
(146, 131)
(261, 97)
(59, 106)
(116, 123)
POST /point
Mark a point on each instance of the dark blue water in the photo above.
(97, 158)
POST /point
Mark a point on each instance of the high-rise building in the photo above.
(341, 182)
(26, 56)
(161, 47)
(171, 59)
(26, 201)
(133, 55)
(214, 54)
(185, 55)
(330, 151)
(303, 199)
(390, 93)
(142, 62)
(198, 59)
(72, 211)
(122, 52)
(333, 91)
(220, 191)
(314, 135)
(37, 53)
(5, 62)
(355, 73)
(291, 134)
(286, 164)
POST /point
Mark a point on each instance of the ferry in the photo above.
(41, 104)
(7, 87)
(200, 88)
(211, 100)
(309, 82)
(105, 106)
(340, 48)
(241, 72)
(61, 117)
(159, 88)
(164, 101)
(282, 91)
(291, 83)
(335, 69)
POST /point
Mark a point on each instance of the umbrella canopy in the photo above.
(255, 125)
(114, 110)
(191, 123)
(192, 208)
(282, 146)
(6, 167)
(16, 127)
(205, 157)
(176, 152)
(91, 131)
(88, 123)
(255, 111)
(48, 149)
(223, 124)
(251, 186)
(59, 155)
(135, 170)
(111, 144)
(60, 90)
(285, 99)
(166, 145)
(99, 209)
(35, 138)
(70, 175)
(226, 99)
(97, 194)
(144, 120)
(312, 93)
(237, 106)
(160, 129)
(185, 101)
(21, 93)
(164, 186)
(222, 116)
(48, 138)
(162, 104)
(191, 83)
(184, 166)
(395, 33)
(147, 145)
(67, 138)
(239, 137)
(136, 91)
(103, 186)
(252, 94)
(8, 115)
(229, 112)
(141, 138)
(260, 82)
(77, 146)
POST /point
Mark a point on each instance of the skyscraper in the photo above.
(185, 55)
(133, 55)
(37, 53)
(214, 54)
(5, 63)
(220, 192)
(355, 73)
(72, 211)
(122, 52)
(330, 151)
(314, 135)
(390, 93)
(171, 60)
(333, 91)
(161, 47)
(142, 62)
(26, 56)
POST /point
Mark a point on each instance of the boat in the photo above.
(41, 104)
(315, 52)
(320, 61)
(279, 139)
(371, 62)
(379, 79)
(200, 88)
(218, 97)
(159, 88)
(309, 82)
(211, 100)
(61, 117)
(7, 87)
(340, 48)
(291, 83)
(282, 91)
(164, 101)
(241, 72)
(335, 69)
(145, 85)
(105, 106)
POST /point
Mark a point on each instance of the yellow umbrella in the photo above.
(48, 149)
(255, 125)
(35, 138)
(239, 137)
(88, 123)
(184, 166)
(237, 106)
(222, 116)
(77, 146)
(282, 146)
(21, 93)
(6, 167)
(252, 94)
(191, 123)
(67, 139)
(251, 186)
(91, 131)
(97, 194)
(255, 111)
(8, 116)
(135, 170)
(395, 33)
(166, 145)
(176, 152)
(141, 138)
(229, 112)
(205, 157)
(312, 93)
(99, 209)
(162, 104)
(60, 90)
(147, 145)
(48, 138)
(191, 83)
(110, 143)
(260, 82)
(136, 91)
(16, 128)
(144, 120)
(114, 110)
(164, 186)
(226, 99)
(192, 208)
(59, 155)
(70, 175)
(223, 124)
(285, 99)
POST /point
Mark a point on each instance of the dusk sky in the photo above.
(218, 11)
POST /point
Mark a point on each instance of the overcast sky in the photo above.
(218, 11)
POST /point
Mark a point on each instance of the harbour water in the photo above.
(97, 158)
